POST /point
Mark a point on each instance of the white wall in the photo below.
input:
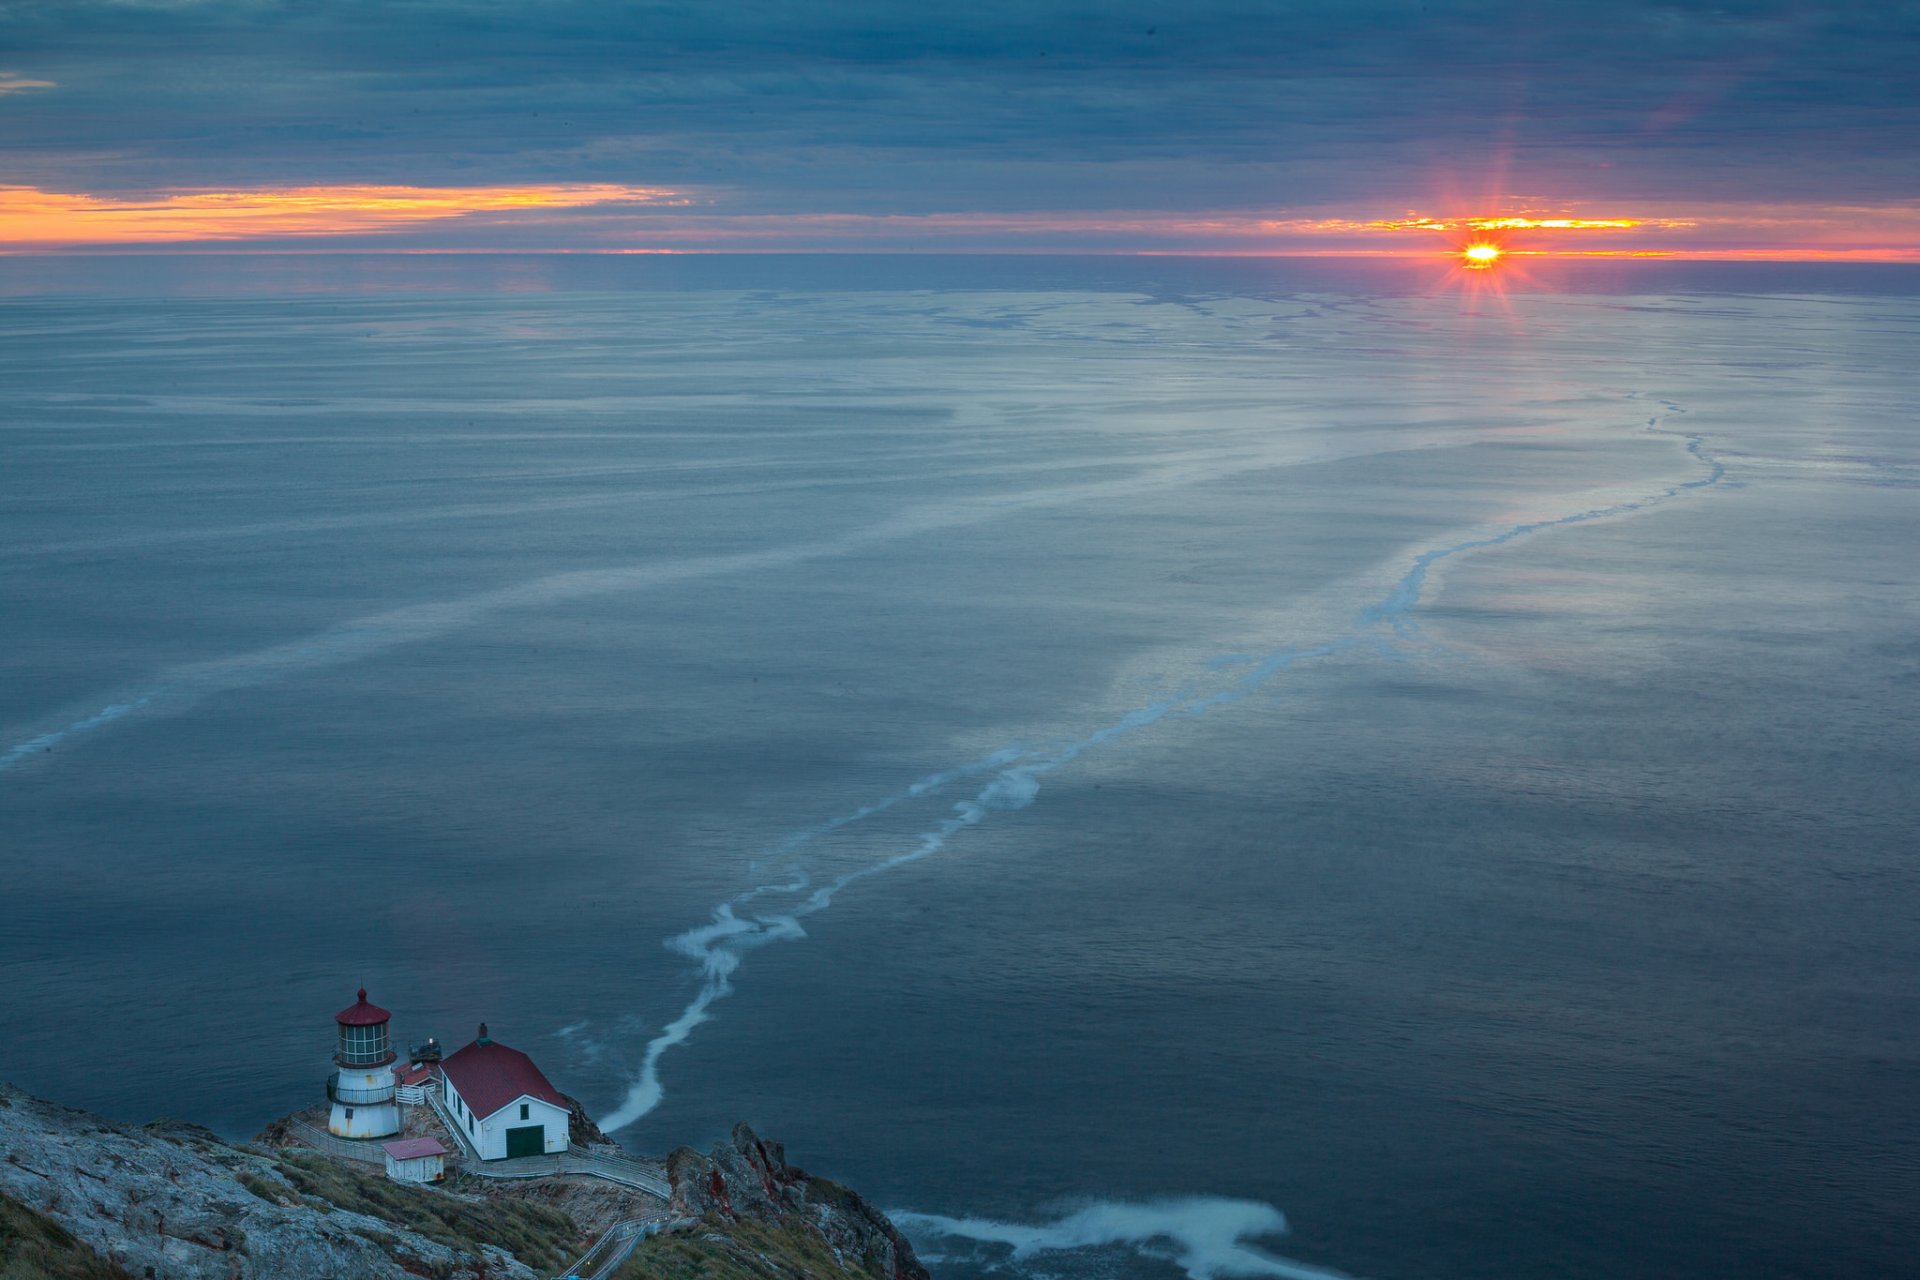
(418, 1169)
(368, 1093)
(489, 1133)
(457, 1108)
(375, 1120)
(492, 1137)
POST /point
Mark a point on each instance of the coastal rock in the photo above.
(174, 1202)
(582, 1131)
(83, 1198)
(747, 1177)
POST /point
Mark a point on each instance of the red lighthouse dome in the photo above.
(362, 1014)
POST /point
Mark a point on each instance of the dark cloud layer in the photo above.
(776, 106)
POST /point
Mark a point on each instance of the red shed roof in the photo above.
(413, 1148)
(490, 1075)
(362, 1014)
(414, 1073)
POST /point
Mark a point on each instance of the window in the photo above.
(523, 1111)
(363, 1046)
(349, 1113)
(469, 1124)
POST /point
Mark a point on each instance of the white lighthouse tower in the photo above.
(361, 1091)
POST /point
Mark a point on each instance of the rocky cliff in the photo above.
(82, 1198)
(172, 1200)
(756, 1217)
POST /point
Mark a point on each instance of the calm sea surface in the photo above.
(1439, 762)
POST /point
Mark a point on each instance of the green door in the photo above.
(530, 1141)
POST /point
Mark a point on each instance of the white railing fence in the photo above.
(592, 1162)
(615, 1246)
(366, 1152)
(625, 1170)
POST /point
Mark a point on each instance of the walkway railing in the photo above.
(607, 1253)
(614, 1247)
(625, 1170)
(367, 1152)
(470, 1152)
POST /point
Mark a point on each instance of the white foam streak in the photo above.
(1014, 782)
(1205, 1236)
(718, 946)
(47, 741)
(928, 785)
(414, 624)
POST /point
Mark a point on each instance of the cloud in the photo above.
(876, 108)
(32, 217)
(609, 218)
(1889, 233)
(14, 82)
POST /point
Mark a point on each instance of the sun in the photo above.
(1481, 254)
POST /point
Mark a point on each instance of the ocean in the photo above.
(1141, 766)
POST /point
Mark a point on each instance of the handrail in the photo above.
(628, 1171)
(625, 1171)
(614, 1246)
(606, 1254)
(460, 1135)
(351, 1097)
(335, 1145)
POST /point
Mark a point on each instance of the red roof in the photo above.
(413, 1148)
(490, 1075)
(362, 1014)
(413, 1073)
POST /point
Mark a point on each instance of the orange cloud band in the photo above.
(32, 217)
(1777, 233)
(609, 218)
(1414, 222)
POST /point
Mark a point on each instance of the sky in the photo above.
(1742, 129)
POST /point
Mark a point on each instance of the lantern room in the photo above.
(363, 1035)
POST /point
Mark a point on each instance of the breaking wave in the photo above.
(1206, 1237)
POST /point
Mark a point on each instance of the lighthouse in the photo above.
(361, 1091)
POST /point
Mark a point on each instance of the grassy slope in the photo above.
(742, 1250)
(35, 1247)
(544, 1238)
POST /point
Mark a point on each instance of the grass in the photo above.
(543, 1238)
(35, 1247)
(745, 1250)
(266, 1188)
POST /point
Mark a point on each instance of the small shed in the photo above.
(415, 1160)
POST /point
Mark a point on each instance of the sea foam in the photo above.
(1205, 1236)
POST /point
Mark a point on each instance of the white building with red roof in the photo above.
(501, 1102)
(415, 1160)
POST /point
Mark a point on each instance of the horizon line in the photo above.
(1864, 257)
